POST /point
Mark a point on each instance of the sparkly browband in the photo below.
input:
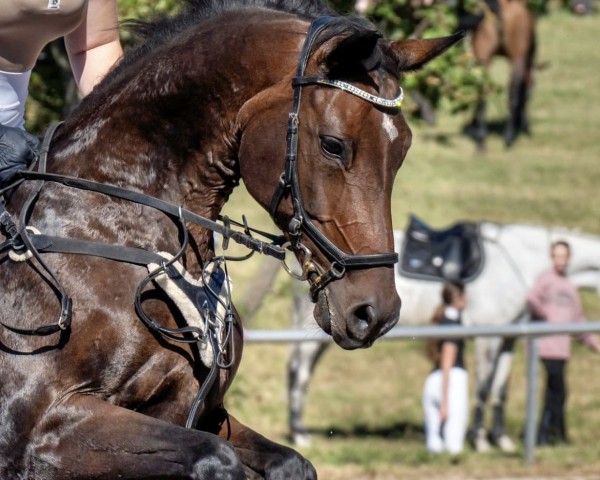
(369, 97)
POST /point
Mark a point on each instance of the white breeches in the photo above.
(449, 436)
(13, 94)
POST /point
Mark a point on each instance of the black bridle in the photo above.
(289, 183)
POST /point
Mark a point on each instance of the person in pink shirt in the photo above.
(555, 299)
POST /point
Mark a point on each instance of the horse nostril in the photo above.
(363, 317)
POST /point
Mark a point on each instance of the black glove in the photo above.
(17, 150)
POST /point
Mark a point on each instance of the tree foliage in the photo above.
(452, 80)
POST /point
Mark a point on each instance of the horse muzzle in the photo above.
(355, 324)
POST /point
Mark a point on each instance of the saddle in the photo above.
(452, 254)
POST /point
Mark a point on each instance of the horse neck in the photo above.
(166, 125)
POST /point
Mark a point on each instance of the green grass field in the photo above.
(364, 406)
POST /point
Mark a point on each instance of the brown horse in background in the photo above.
(510, 32)
(511, 35)
(108, 391)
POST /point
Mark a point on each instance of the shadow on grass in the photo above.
(400, 430)
(495, 128)
(445, 139)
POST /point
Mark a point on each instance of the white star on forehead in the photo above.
(389, 127)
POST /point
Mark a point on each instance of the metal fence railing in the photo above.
(531, 330)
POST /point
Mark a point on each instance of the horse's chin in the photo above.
(322, 312)
(328, 320)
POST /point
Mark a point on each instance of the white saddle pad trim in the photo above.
(186, 307)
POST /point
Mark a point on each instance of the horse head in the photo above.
(329, 186)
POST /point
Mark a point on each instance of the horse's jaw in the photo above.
(322, 313)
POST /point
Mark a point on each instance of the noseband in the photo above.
(289, 183)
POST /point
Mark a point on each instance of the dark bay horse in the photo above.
(512, 35)
(201, 105)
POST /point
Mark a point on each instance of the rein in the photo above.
(289, 182)
(21, 240)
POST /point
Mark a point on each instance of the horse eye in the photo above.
(332, 147)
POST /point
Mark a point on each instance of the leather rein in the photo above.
(289, 183)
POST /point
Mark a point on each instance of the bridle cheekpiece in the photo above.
(289, 183)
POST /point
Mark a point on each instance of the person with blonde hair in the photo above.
(445, 393)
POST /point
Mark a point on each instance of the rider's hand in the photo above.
(443, 411)
(17, 150)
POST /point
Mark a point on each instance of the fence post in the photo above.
(531, 403)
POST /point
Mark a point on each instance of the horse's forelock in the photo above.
(364, 44)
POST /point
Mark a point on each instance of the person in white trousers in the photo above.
(445, 394)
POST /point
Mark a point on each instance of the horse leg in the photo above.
(85, 437)
(485, 44)
(529, 80)
(499, 390)
(263, 458)
(485, 355)
(301, 364)
(478, 130)
(516, 101)
(521, 54)
(426, 110)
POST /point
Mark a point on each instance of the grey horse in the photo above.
(515, 256)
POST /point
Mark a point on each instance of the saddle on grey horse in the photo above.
(451, 254)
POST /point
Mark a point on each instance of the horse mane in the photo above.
(157, 32)
(150, 36)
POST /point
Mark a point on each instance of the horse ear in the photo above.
(349, 51)
(412, 54)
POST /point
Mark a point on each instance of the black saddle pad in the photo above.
(455, 253)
